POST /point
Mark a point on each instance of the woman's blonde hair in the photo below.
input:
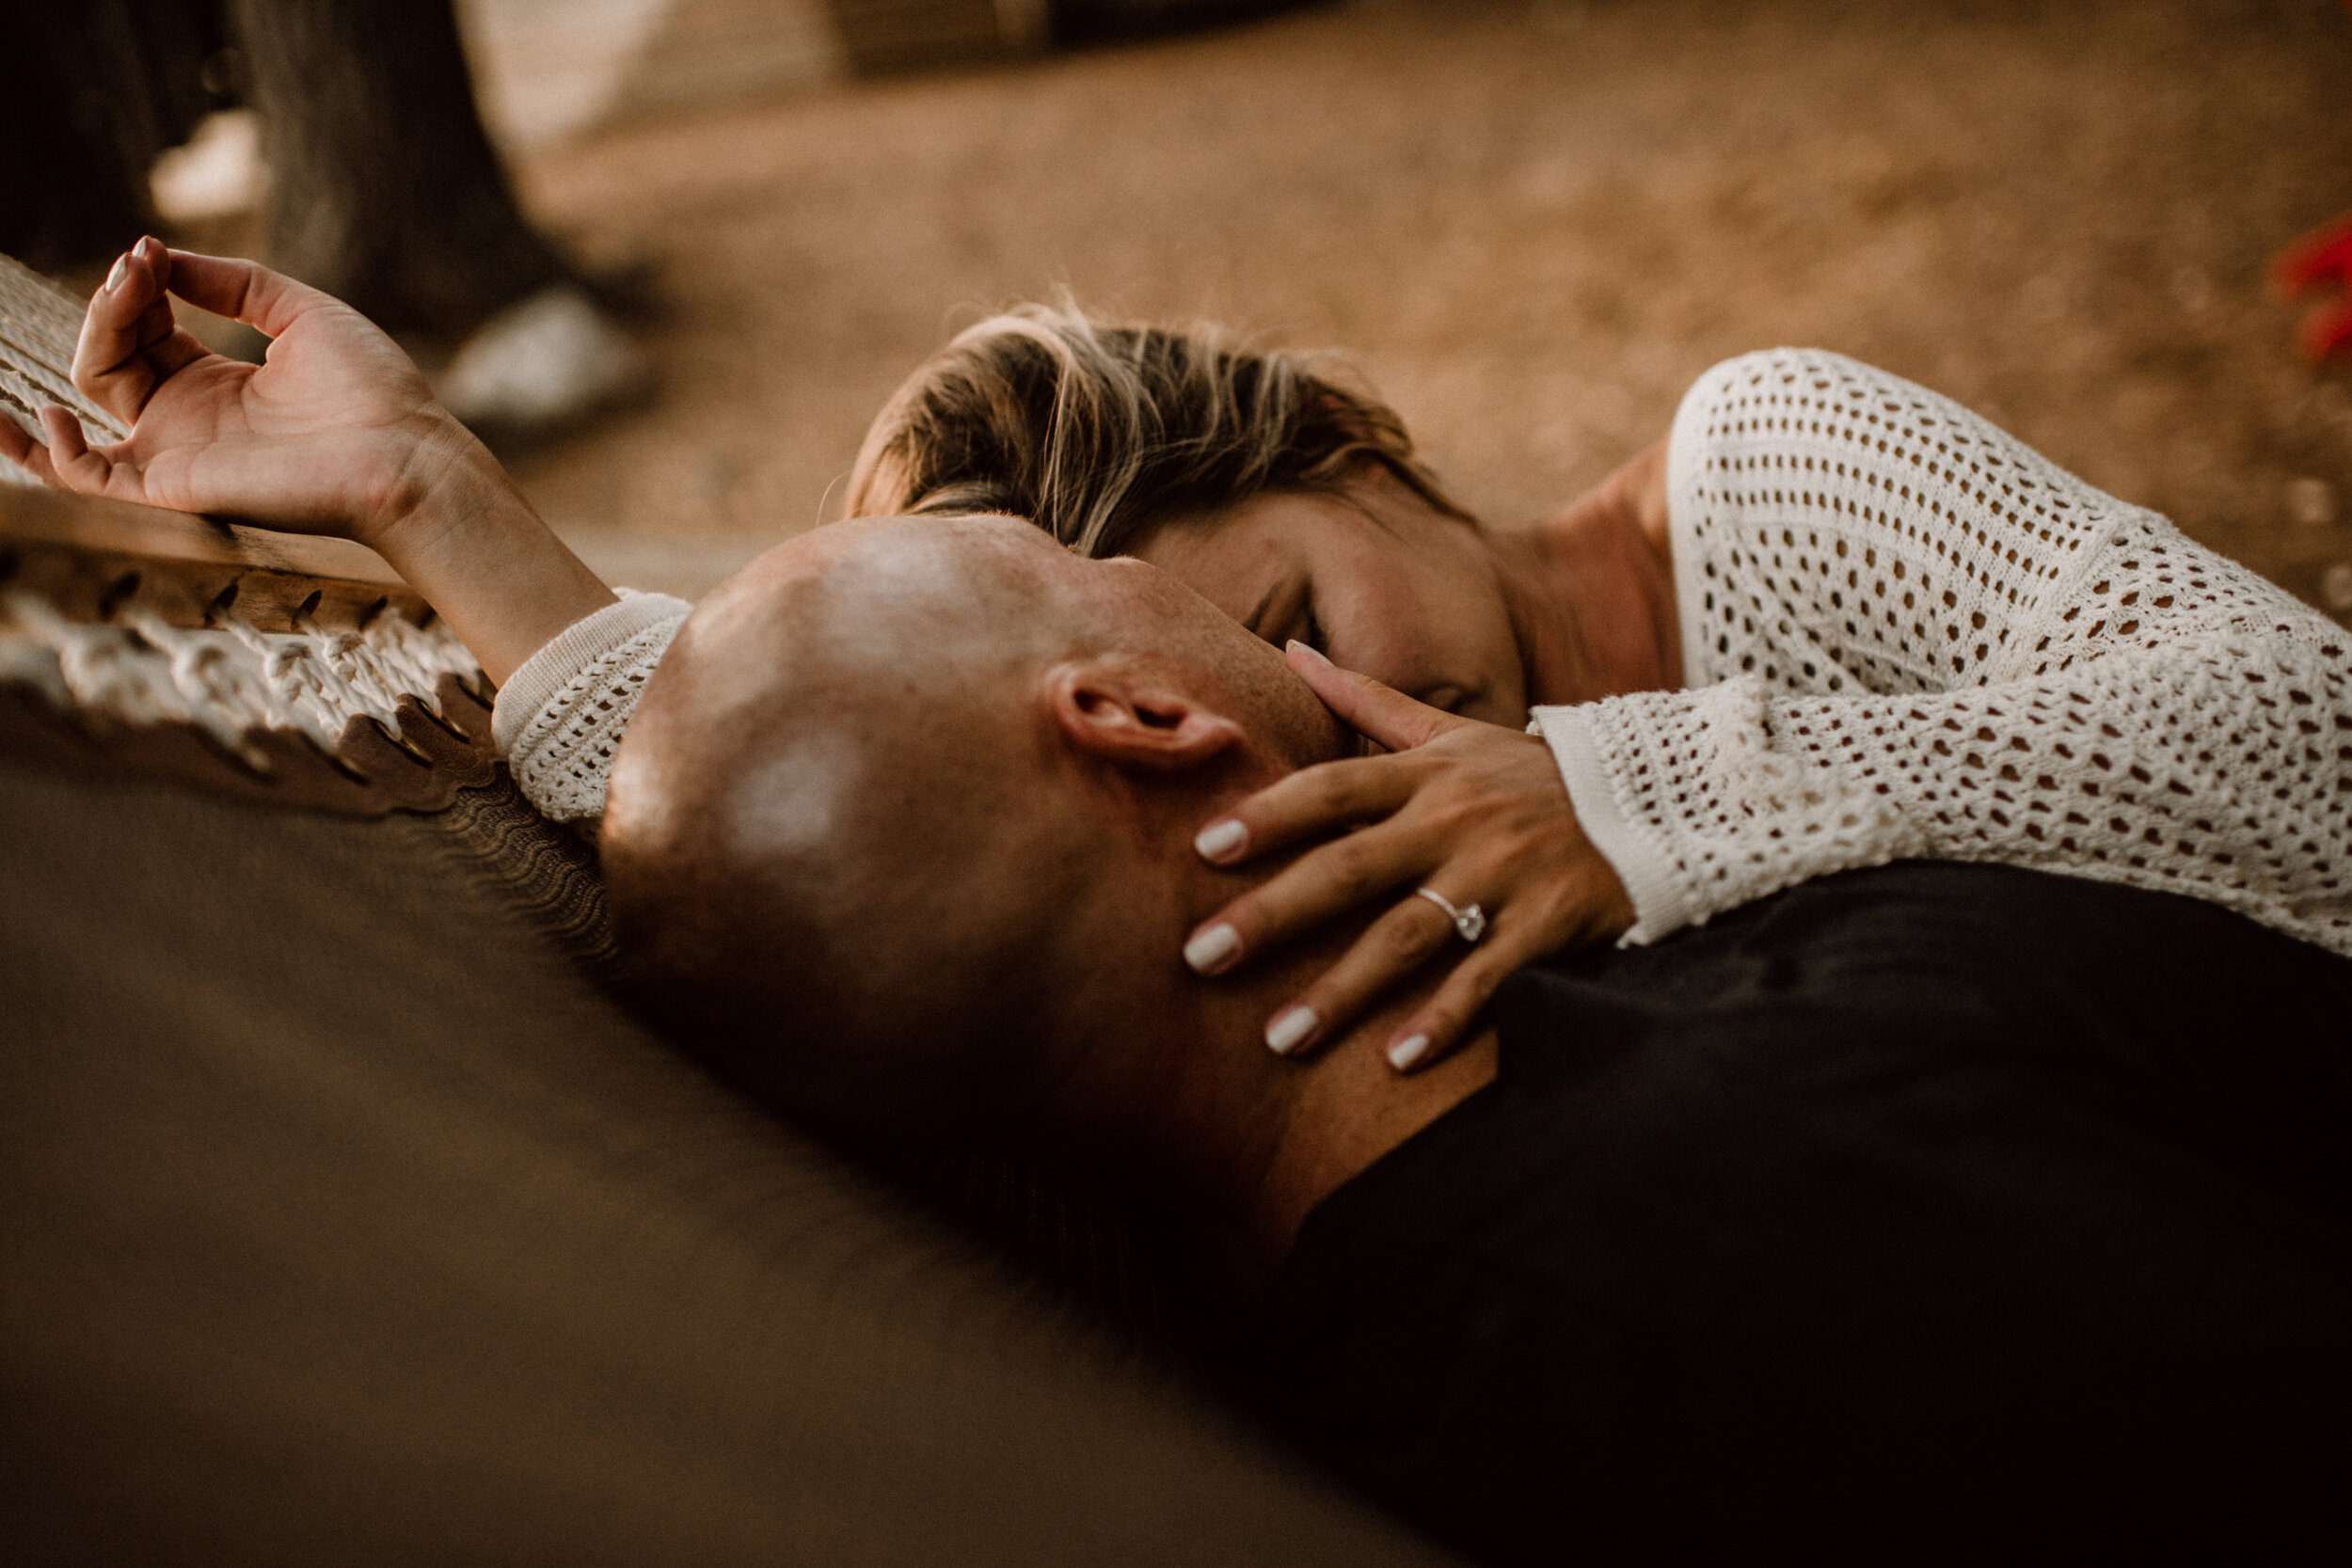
(1099, 432)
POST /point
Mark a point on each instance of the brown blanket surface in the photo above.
(346, 1221)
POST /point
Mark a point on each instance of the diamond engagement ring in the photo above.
(1470, 921)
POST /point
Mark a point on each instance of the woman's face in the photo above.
(1375, 579)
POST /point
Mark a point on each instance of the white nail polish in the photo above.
(122, 270)
(1405, 1052)
(1285, 1034)
(1208, 949)
(1220, 841)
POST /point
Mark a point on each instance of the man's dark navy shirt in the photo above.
(1947, 1209)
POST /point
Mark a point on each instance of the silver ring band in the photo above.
(1470, 921)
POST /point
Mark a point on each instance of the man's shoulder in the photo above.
(1897, 1189)
(1879, 1035)
(1946, 946)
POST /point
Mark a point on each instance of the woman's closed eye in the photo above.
(1310, 629)
(1450, 698)
(1286, 614)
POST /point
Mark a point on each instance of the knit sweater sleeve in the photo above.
(559, 717)
(1909, 636)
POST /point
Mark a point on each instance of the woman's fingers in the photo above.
(1388, 953)
(130, 342)
(1317, 800)
(18, 446)
(1445, 1020)
(63, 430)
(1338, 876)
(1333, 794)
(1380, 712)
(267, 301)
(125, 316)
(72, 465)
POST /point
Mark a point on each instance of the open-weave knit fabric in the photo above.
(559, 717)
(1908, 634)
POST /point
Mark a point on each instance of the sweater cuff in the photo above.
(545, 673)
(1687, 452)
(1652, 878)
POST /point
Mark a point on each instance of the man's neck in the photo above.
(1351, 1109)
(1267, 1137)
(1169, 1079)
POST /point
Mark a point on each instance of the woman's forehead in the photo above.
(1264, 535)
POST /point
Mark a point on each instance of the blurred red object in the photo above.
(2322, 257)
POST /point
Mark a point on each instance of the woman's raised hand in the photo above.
(1473, 811)
(337, 433)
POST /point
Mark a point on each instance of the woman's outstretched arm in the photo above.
(337, 433)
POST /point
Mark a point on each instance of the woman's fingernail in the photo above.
(1405, 1052)
(1289, 1032)
(1294, 645)
(1212, 949)
(1221, 840)
(122, 270)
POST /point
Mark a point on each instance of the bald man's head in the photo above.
(883, 819)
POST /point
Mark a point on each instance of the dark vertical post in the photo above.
(95, 89)
(384, 190)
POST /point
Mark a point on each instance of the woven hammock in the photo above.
(39, 324)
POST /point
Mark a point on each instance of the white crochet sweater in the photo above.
(1905, 635)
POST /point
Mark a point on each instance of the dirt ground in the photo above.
(1531, 226)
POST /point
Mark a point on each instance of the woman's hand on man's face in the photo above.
(1474, 812)
(337, 433)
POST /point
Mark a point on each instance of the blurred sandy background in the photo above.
(1531, 224)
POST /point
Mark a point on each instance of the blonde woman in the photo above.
(1832, 620)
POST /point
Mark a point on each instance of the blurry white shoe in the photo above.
(541, 364)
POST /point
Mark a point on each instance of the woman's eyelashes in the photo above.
(1288, 615)
(1308, 625)
(1310, 630)
(1275, 619)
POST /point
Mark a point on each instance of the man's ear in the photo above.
(1134, 715)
